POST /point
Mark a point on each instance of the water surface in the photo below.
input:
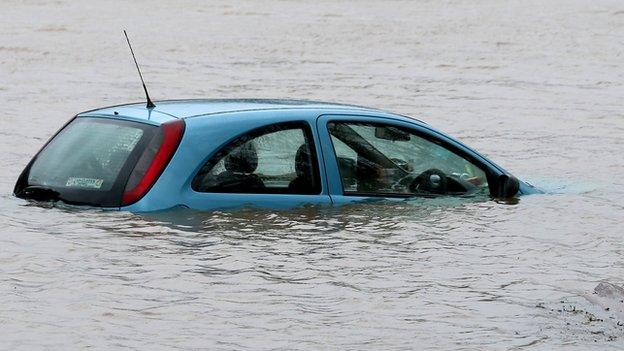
(535, 86)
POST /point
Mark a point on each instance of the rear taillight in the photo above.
(153, 161)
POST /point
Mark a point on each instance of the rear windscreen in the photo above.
(90, 159)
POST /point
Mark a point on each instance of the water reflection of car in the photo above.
(209, 154)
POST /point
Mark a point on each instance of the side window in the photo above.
(278, 159)
(377, 159)
(347, 161)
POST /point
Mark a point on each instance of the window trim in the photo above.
(490, 175)
(255, 133)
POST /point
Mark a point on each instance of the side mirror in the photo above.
(508, 186)
(391, 133)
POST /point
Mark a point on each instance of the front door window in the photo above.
(378, 159)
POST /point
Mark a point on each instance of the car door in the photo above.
(274, 166)
(368, 157)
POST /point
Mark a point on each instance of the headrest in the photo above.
(243, 159)
(303, 162)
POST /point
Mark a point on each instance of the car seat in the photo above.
(238, 176)
(304, 182)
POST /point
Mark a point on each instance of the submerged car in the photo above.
(215, 154)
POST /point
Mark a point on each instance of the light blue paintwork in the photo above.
(212, 124)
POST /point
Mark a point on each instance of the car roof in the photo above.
(173, 109)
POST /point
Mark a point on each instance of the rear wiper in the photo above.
(39, 193)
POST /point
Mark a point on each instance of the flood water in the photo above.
(536, 86)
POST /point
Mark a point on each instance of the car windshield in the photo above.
(89, 155)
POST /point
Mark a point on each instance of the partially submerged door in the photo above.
(370, 157)
(275, 166)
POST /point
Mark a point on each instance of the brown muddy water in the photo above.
(535, 85)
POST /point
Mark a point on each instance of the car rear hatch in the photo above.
(100, 161)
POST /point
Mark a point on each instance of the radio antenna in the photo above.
(150, 104)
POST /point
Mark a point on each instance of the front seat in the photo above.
(238, 176)
(304, 183)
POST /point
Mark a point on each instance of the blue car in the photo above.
(217, 154)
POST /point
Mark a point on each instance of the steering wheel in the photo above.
(432, 181)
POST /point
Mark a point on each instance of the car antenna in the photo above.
(149, 104)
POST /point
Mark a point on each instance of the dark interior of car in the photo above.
(365, 172)
(240, 165)
(304, 182)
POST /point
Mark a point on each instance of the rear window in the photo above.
(90, 159)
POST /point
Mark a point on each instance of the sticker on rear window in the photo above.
(92, 183)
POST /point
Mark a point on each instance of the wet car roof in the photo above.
(170, 109)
